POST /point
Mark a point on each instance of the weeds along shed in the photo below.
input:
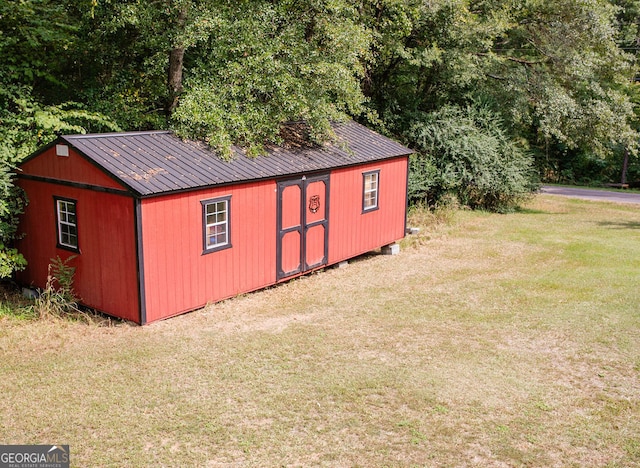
(160, 226)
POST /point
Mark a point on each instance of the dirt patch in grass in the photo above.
(493, 340)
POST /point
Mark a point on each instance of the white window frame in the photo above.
(216, 214)
(67, 223)
(370, 190)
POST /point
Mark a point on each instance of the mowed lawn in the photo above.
(497, 340)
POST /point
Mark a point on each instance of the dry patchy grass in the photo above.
(495, 340)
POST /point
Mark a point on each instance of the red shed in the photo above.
(162, 226)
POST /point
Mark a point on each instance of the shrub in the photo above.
(466, 152)
(58, 298)
(12, 203)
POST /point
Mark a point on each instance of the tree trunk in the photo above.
(625, 166)
(176, 59)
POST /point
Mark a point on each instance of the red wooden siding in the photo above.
(72, 168)
(352, 232)
(106, 271)
(178, 276)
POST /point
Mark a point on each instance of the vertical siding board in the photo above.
(236, 267)
(185, 268)
(175, 251)
(147, 239)
(186, 289)
(165, 297)
(164, 246)
(249, 246)
(257, 253)
(154, 255)
(268, 235)
(252, 248)
(195, 245)
(152, 275)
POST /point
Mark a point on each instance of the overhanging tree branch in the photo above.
(512, 59)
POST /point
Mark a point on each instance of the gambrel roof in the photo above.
(156, 162)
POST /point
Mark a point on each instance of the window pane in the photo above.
(370, 182)
(367, 183)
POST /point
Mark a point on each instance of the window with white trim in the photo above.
(66, 223)
(215, 223)
(370, 190)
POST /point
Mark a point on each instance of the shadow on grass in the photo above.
(532, 211)
(620, 224)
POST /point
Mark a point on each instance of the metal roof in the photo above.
(152, 163)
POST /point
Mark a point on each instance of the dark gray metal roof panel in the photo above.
(152, 163)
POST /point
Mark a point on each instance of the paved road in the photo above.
(589, 194)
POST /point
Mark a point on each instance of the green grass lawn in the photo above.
(495, 340)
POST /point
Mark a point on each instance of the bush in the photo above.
(423, 180)
(12, 203)
(466, 152)
(58, 299)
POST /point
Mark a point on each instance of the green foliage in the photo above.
(560, 77)
(247, 66)
(424, 180)
(558, 72)
(34, 35)
(58, 299)
(272, 63)
(12, 203)
(25, 125)
(466, 152)
(15, 305)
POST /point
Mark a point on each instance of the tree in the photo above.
(225, 71)
(32, 34)
(567, 77)
(553, 70)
